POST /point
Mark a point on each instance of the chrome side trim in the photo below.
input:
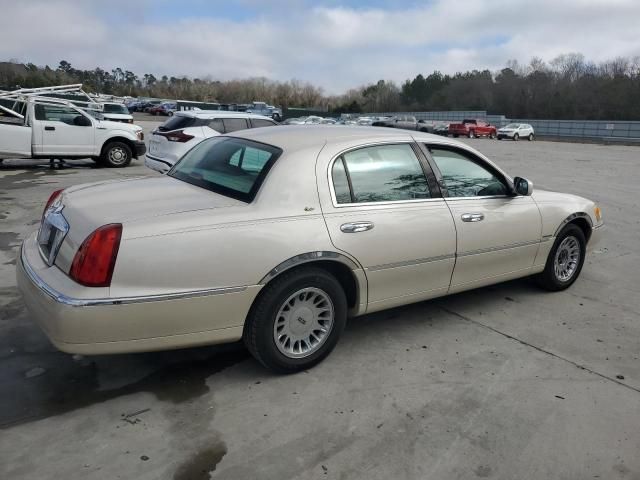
(501, 247)
(408, 263)
(306, 258)
(571, 217)
(92, 302)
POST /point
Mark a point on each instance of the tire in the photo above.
(571, 239)
(455, 135)
(471, 134)
(516, 137)
(169, 113)
(492, 135)
(276, 117)
(116, 155)
(262, 322)
(530, 137)
(499, 138)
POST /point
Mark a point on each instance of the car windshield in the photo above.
(513, 125)
(230, 166)
(114, 108)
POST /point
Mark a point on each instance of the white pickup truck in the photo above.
(35, 126)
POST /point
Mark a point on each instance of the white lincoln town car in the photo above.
(277, 235)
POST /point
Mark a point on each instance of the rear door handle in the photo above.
(472, 217)
(356, 227)
(49, 128)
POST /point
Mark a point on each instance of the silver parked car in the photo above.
(226, 246)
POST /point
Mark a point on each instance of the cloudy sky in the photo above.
(336, 45)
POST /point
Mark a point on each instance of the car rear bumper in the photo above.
(157, 164)
(90, 326)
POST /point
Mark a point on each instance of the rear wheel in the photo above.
(516, 137)
(471, 134)
(116, 155)
(565, 260)
(297, 320)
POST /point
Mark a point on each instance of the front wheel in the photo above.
(492, 135)
(276, 117)
(297, 320)
(116, 155)
(516, 137)
(530, 138)
(471, 134)
(565, 260)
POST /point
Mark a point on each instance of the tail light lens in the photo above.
(176, 136)
(52, 198)
(95, 259)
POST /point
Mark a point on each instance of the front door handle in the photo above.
(49, 128)
(472, 217)
(356, 227)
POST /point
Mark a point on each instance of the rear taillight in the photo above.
(176, 136)
(52, 198)
(93, 264)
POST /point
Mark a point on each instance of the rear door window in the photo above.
(258, 122)
(234, 124)
(216, 124)
(382, 173)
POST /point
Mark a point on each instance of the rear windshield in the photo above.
(177, 122)
(230, 166)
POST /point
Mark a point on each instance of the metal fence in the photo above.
(597, 130)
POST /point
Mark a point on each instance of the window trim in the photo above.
(426, 169)
(426, 148)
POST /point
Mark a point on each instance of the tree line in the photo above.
(567, 87)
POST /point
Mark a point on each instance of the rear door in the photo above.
(385, 210)
(498, 233)
(15, 136)
(59, 130)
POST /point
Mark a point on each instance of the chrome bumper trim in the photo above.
(91, 302)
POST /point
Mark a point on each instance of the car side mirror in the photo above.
(522, 186)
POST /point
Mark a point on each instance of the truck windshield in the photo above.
(233, 167)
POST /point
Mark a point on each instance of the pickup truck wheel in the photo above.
(565, 260)
(116, 155)
(297, 320)
(455, 135)
(492, 135)
(530, 137)
(516, 137)
(471, 134)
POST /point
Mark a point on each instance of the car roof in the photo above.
(218, 114)
(295, 137)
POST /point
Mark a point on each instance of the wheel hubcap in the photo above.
(117, 155)
(303, 323)
(567, 259)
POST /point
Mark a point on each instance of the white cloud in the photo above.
(334, 47)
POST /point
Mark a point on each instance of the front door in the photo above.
(385, 210)
(62, 130)
(498, 232)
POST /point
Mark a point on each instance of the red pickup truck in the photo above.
(472, 128)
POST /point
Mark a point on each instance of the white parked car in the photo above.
(116, 112)
(516, 131)
(185, 129)
(277, 235)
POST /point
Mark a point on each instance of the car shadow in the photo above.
(44, 382)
